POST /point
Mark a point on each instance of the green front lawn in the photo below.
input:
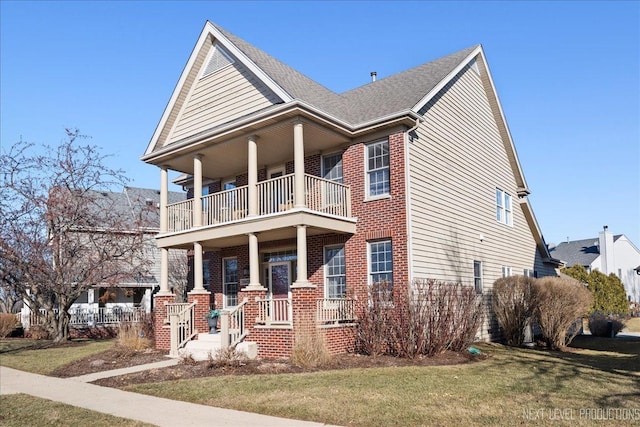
(42, 357)
(21, 410)
(512, 387)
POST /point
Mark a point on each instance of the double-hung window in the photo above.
(506, 271)
(477, 276)
(380, 263)
(529, 272)
(335, 271)
(504, 210)
(377, 164)
(230, 281)
(332, 167)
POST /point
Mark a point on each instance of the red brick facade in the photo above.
(382, 218)
(162, 329)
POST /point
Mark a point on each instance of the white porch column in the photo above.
(252, 172)
(197, 190)
(164, 198)
(302, 280)
(298, 165)
(198, 278)
(254, 264)
(164, 272)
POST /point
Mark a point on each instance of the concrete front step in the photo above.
(208, 345)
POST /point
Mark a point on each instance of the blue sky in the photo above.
(567, 74)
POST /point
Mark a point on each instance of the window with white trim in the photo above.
(380, 262)
(504, 210)
(332, 167)
(377, 166)
(335, 272)
(506, 271)
(477, 276)
(230, 281)
(528, 272)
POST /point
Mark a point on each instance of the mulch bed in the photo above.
(114, 359)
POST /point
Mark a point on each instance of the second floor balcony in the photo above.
(274, 196)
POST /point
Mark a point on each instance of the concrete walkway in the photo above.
(152, 410)
(123, 371)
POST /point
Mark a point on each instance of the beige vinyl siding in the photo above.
(220, 97)
(455, 165)
(191, 77)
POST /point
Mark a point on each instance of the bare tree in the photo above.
(60, 233)
(178, 273)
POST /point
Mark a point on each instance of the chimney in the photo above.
(373, 76)
(605, 243)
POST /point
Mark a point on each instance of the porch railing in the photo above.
(327, 196)
(275, 195)
(182, 327)
(274, 311)
(335, 310)
(180, 215)
(225, 206)
(91, 317)
(174, 309)
(232, 325)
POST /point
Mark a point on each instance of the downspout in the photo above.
(418, 120)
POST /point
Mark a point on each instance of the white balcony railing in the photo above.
(274, 311)
(327, 196)
(225, 206)
(274, 195)
(180, 215)
(335, 310)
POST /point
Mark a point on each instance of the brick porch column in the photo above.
(304, 307)
(161, 330)
(203, 301)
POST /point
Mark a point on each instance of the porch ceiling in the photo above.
(228, 158)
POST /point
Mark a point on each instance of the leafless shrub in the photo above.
(375, 321)
(512, 306)
(37, 332)
(558, 303)
(187, 359)
(131, 337)
(226, 357)
(8, 322)
(429, 318)
(599, 325)
(310, 349)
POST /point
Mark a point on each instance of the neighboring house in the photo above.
(104, 304)
(608, 254)
(300, 197)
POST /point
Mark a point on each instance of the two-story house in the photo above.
(302, 197)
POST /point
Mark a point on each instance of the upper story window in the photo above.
(504, 211)
(218, 59)
(332, 167)
(377, 165)
(529, 272)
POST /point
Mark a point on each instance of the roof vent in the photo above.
(374, 74)
(149, 202)
(218, 59)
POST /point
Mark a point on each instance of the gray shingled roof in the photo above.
(582, 252)
(136, 203)
(396, 93)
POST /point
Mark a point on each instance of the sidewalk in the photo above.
(153, 410)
